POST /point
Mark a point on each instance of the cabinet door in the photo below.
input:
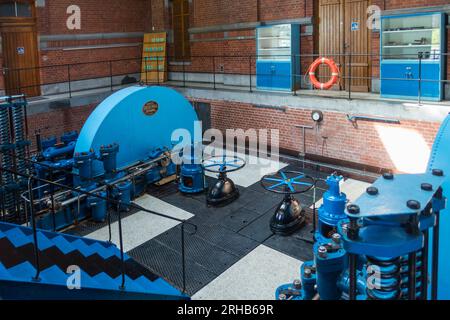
(282, 76)
(399, 79)
(264, 74)
(430, 87)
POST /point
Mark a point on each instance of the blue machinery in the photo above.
(387, 244)
(125, 145)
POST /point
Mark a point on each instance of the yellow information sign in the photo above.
(154, 58)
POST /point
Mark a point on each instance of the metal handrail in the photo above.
(112, 201)
(134, 65)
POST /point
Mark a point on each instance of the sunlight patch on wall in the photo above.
(407, 148)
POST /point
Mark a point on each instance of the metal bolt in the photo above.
(307, 273)
(297, 284)
(437, 172)
(426, 187)
(336, 238)
(353, 209)
(322, 252)
(282, 296)
(373, 191)
(345, 227)
(413, 204)
(388, 176)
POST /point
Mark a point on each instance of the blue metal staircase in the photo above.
(100, 268)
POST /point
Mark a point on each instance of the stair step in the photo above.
(23, 271)
(54, 275)
(4, 274)
(17, 237)
(164, 286)
(84, 248)
(130, 285)
(43, 242)
(64, 245)
(104, 252)
(88, 282)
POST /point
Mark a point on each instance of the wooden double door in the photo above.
(344, 36)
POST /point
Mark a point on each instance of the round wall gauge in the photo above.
(317, 116)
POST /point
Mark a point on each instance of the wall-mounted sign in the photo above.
(20, 51)
(355, 26)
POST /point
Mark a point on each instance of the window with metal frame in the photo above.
(16, 9)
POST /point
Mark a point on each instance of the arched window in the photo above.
(180, 25)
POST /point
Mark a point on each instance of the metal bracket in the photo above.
(304, 128)
(354, 120)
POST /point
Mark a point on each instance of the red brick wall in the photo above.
(96, 16)
(55, 123)
(344, 141)
(101, 16)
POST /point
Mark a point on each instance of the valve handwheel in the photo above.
(289, 215)
(224, 190)
(223, 164)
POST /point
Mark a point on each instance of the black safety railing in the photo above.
(29, 207)
(233, 72)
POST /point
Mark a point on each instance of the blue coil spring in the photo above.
(388, 286)
(6, 162)
(405, 275)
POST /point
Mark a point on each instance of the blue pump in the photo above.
(192, 175)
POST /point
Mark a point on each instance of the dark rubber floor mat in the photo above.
(232, 242)
(167, 263)
(259, 230)
(291, 246)
(206, 254)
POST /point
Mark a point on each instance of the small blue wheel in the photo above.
(287, 182)
(223, 164)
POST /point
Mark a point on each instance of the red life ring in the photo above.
(334, 73)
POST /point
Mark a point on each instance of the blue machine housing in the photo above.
(379, 240)
(440, 159)
(332, 210)
(192, 175)
(127, 135)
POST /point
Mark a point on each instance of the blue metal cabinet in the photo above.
(278, 62)
(274, 75)
(403, 38)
